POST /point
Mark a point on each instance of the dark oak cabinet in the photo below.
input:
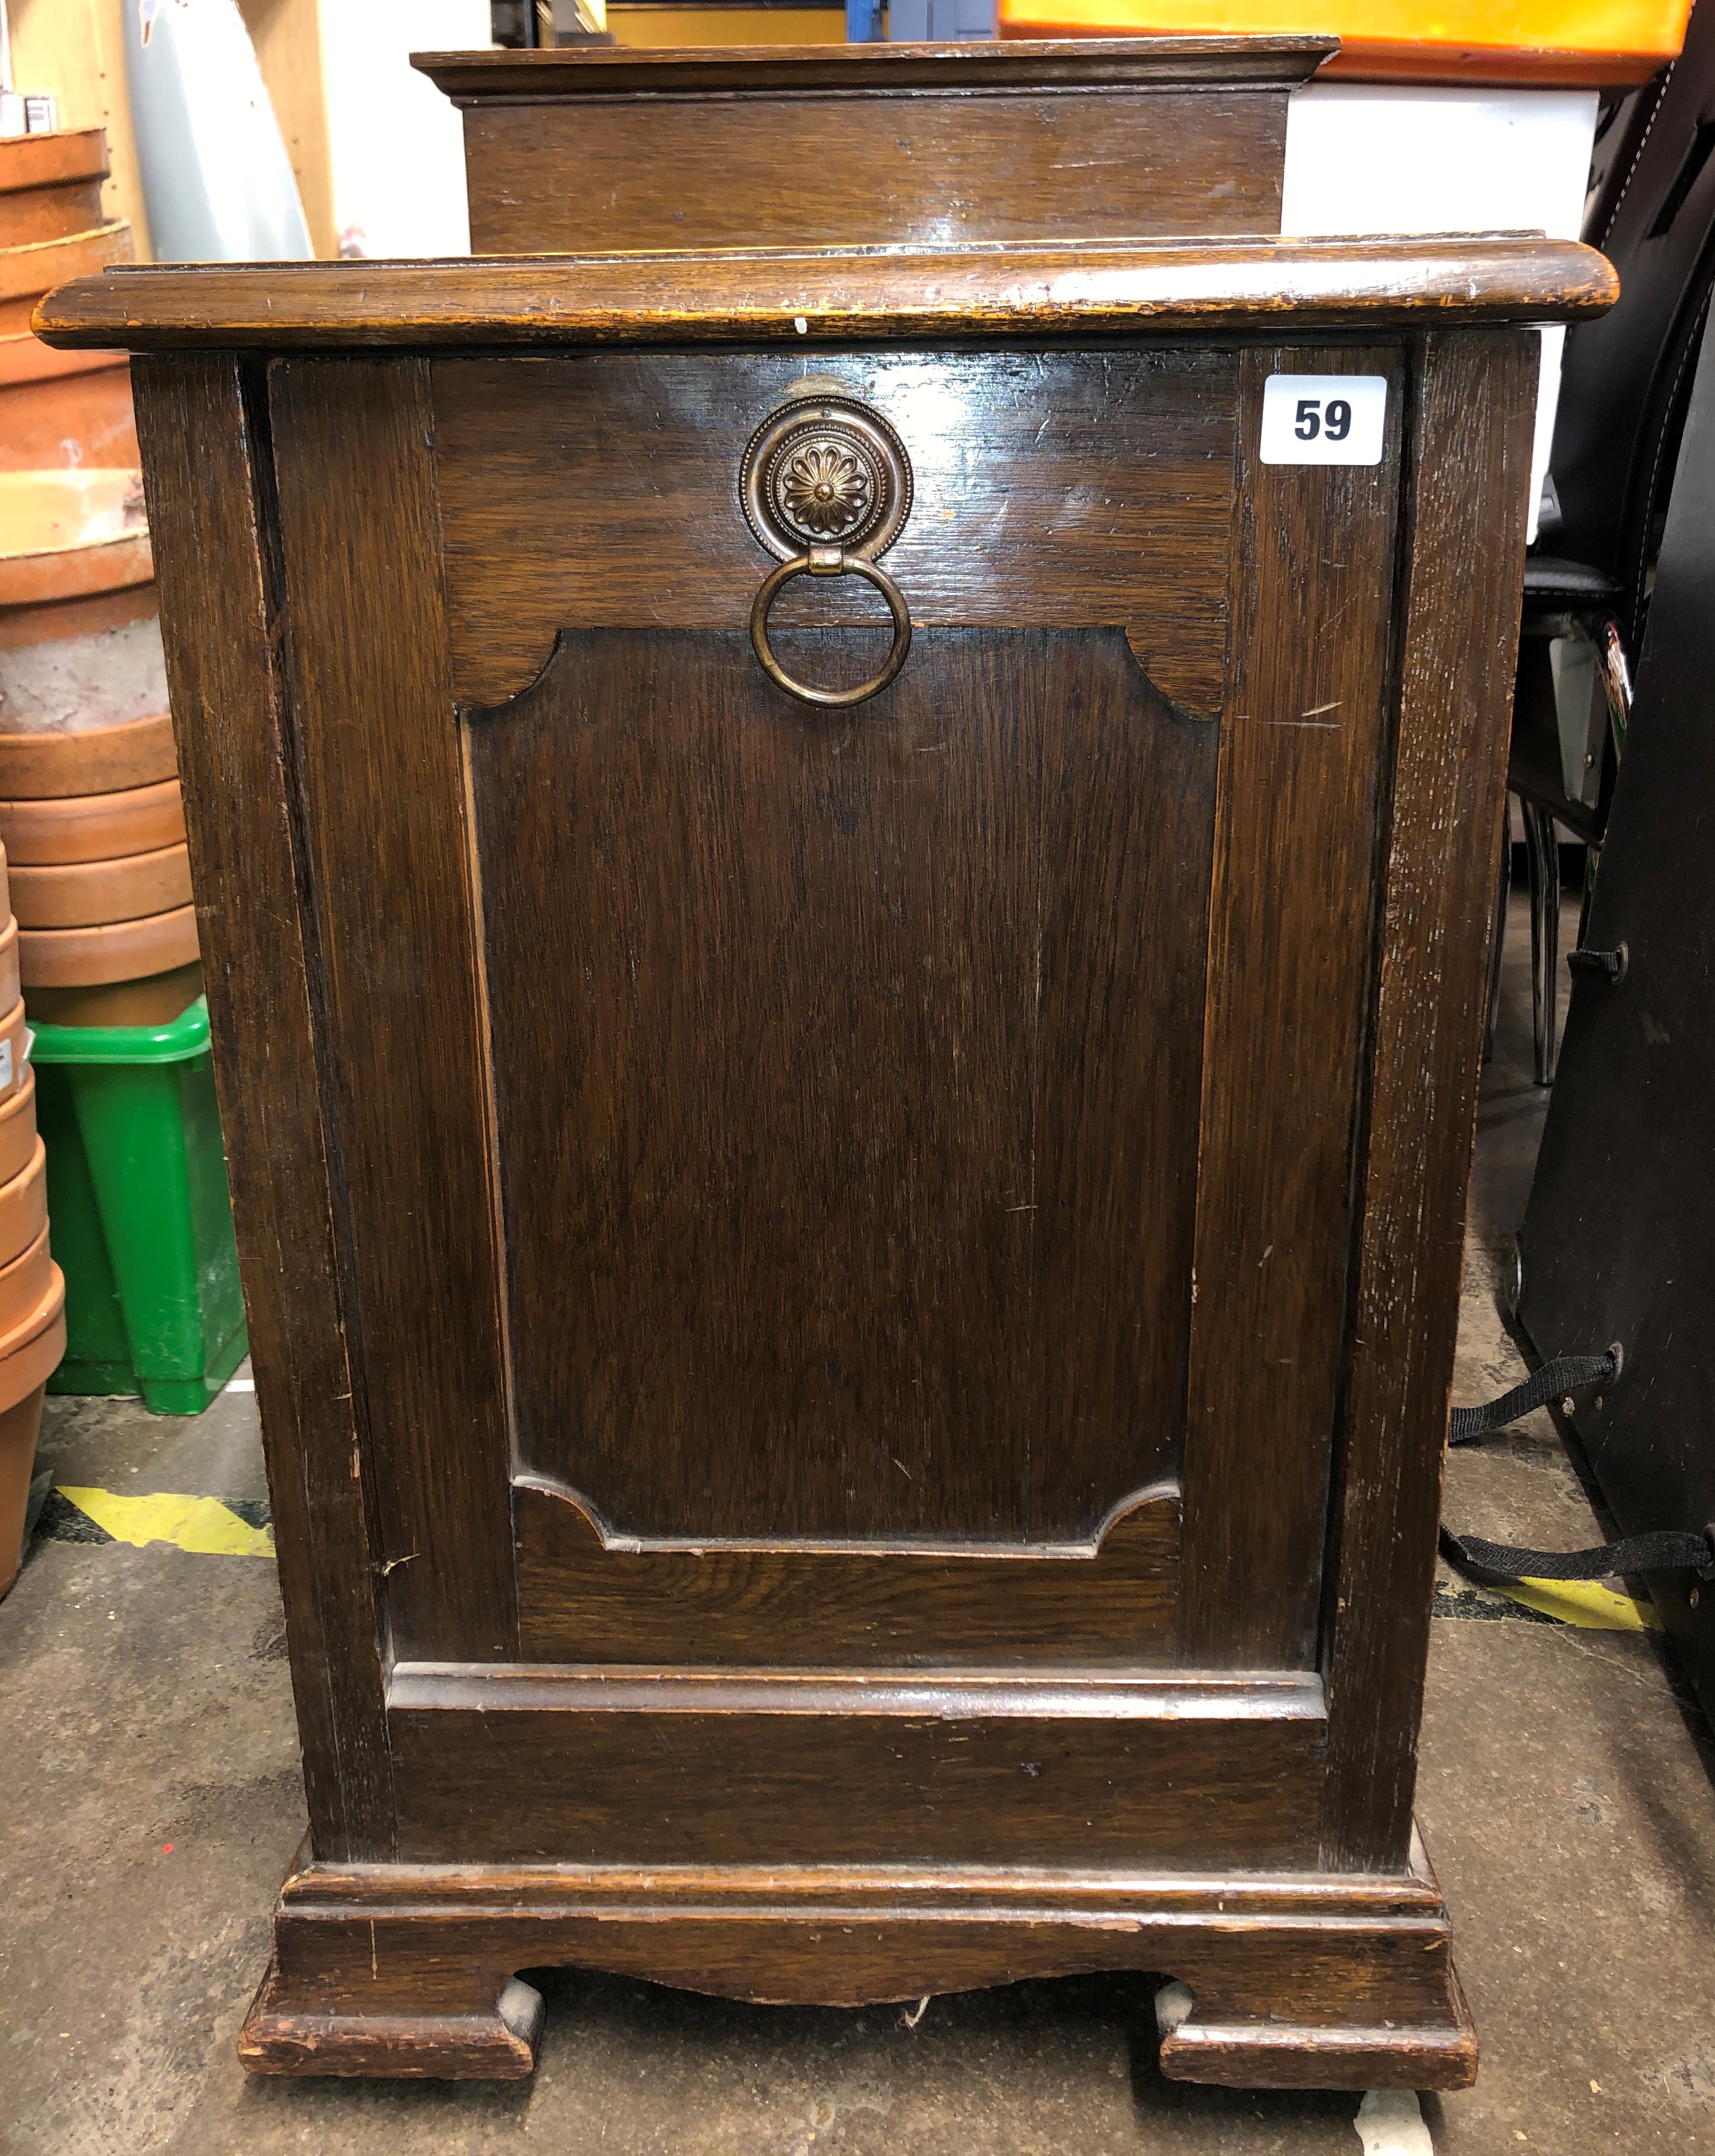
(852, 1295)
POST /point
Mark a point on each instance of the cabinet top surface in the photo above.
(554, 75)
(810, 297)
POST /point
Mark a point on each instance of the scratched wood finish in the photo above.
(577, 78)
(1303, 744)
(586, 177)
(961, 295)
(645, 1184)
(845, 1075)
(383, 793)
(204, 433)
(1051, 488)
(828, 1605)
(1307, 1982)
(1474, 405)
(651, 1767)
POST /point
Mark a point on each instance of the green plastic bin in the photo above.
(138, 1217)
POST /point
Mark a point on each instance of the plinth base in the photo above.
(1303, 1980)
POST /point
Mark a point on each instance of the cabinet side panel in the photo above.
(384, 808)
(1302, 752)
(1473, 407)
(206, 472)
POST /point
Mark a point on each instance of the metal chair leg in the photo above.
(1498, 934)
(1543, 855)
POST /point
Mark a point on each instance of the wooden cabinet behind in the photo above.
(1075, 140)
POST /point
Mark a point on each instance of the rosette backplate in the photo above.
(826, 471)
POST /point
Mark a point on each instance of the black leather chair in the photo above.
(1625, 384)
(1569, 711)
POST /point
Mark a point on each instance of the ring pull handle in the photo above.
(830, 561)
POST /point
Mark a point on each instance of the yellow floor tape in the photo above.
(1583, 1603)
(208, 1528)
(202, 1525)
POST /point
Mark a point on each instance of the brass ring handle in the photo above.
(830, 561)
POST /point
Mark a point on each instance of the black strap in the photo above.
(1565, 1374)
(1610, 965)
(1668, 1550)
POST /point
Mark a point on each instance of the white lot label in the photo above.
(1323, 418)
(5, 1065)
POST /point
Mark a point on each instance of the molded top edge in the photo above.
(834, 295)
(557, 74)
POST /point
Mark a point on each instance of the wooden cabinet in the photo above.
(873, 146)
(852, 1300)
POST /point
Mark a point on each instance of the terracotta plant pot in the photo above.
(35, 766)
(50, 185)
(12, 1061)
(20, 1426)
(29, 1354)
(59, 410)
(71, 535)
(23, 1205)
(92, 827)
(24, 1280)
(10, 984)
(124, 951)
(18, 1127)
(27, 272)
(156, 1000)
(82, 894)
(79, 639)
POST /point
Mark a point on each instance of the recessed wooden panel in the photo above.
(582, 1597)
(1052, 488)
(605, 174)
(846, 1073)
(606, 1766)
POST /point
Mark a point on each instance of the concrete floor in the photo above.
(152, 1796)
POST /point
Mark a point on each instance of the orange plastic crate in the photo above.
(1590, 43)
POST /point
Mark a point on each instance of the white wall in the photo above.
(1363, 158)
(398, 144)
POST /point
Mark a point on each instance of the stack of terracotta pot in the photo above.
(58, 409)
(32, 1293)
(90, 808)
(89, 812)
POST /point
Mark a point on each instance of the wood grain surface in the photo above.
(955, 295)
(203, 426)
(383, 801)
(1052, 488)
(846, 1073)
(562, 75)
(644, 1767)
(585, 1598)
(1303, 748)
(386, 1969)
(1473, 402)
(588, 175)
(836, 1178)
